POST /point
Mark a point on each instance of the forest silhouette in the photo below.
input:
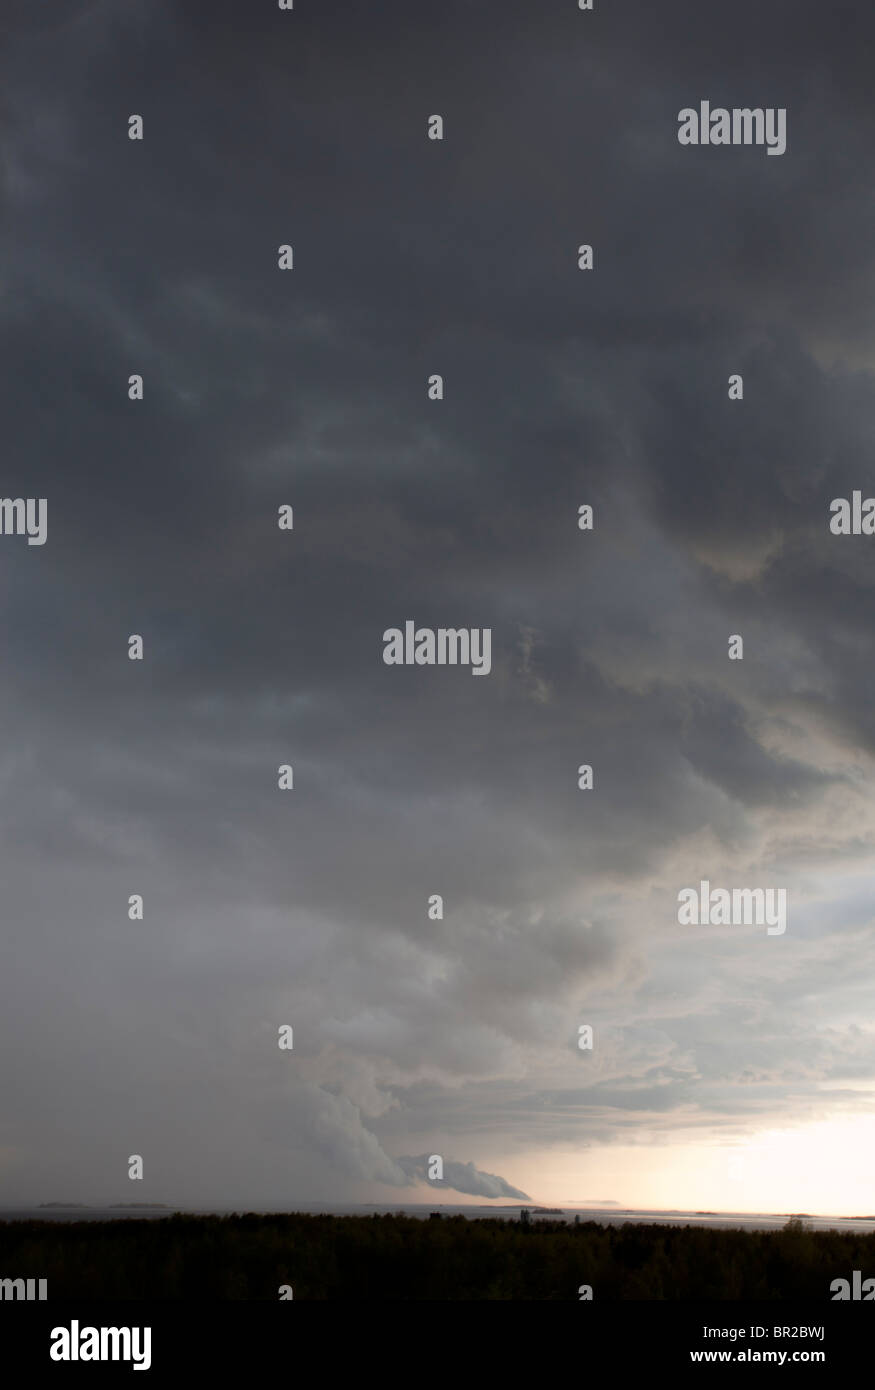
(398, 1257)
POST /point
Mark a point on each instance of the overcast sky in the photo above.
(729, 1068)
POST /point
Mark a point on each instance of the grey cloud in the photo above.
(262, 648)
(461, 1177)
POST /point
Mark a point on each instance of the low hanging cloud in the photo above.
(346, 1143)
(462, 1177)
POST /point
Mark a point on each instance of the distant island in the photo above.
(83, 1206)
(547, 1211)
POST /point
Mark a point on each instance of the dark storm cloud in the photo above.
(264, 648)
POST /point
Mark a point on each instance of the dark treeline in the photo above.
(399, 1257)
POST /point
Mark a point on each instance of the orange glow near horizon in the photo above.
(822, 1168)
